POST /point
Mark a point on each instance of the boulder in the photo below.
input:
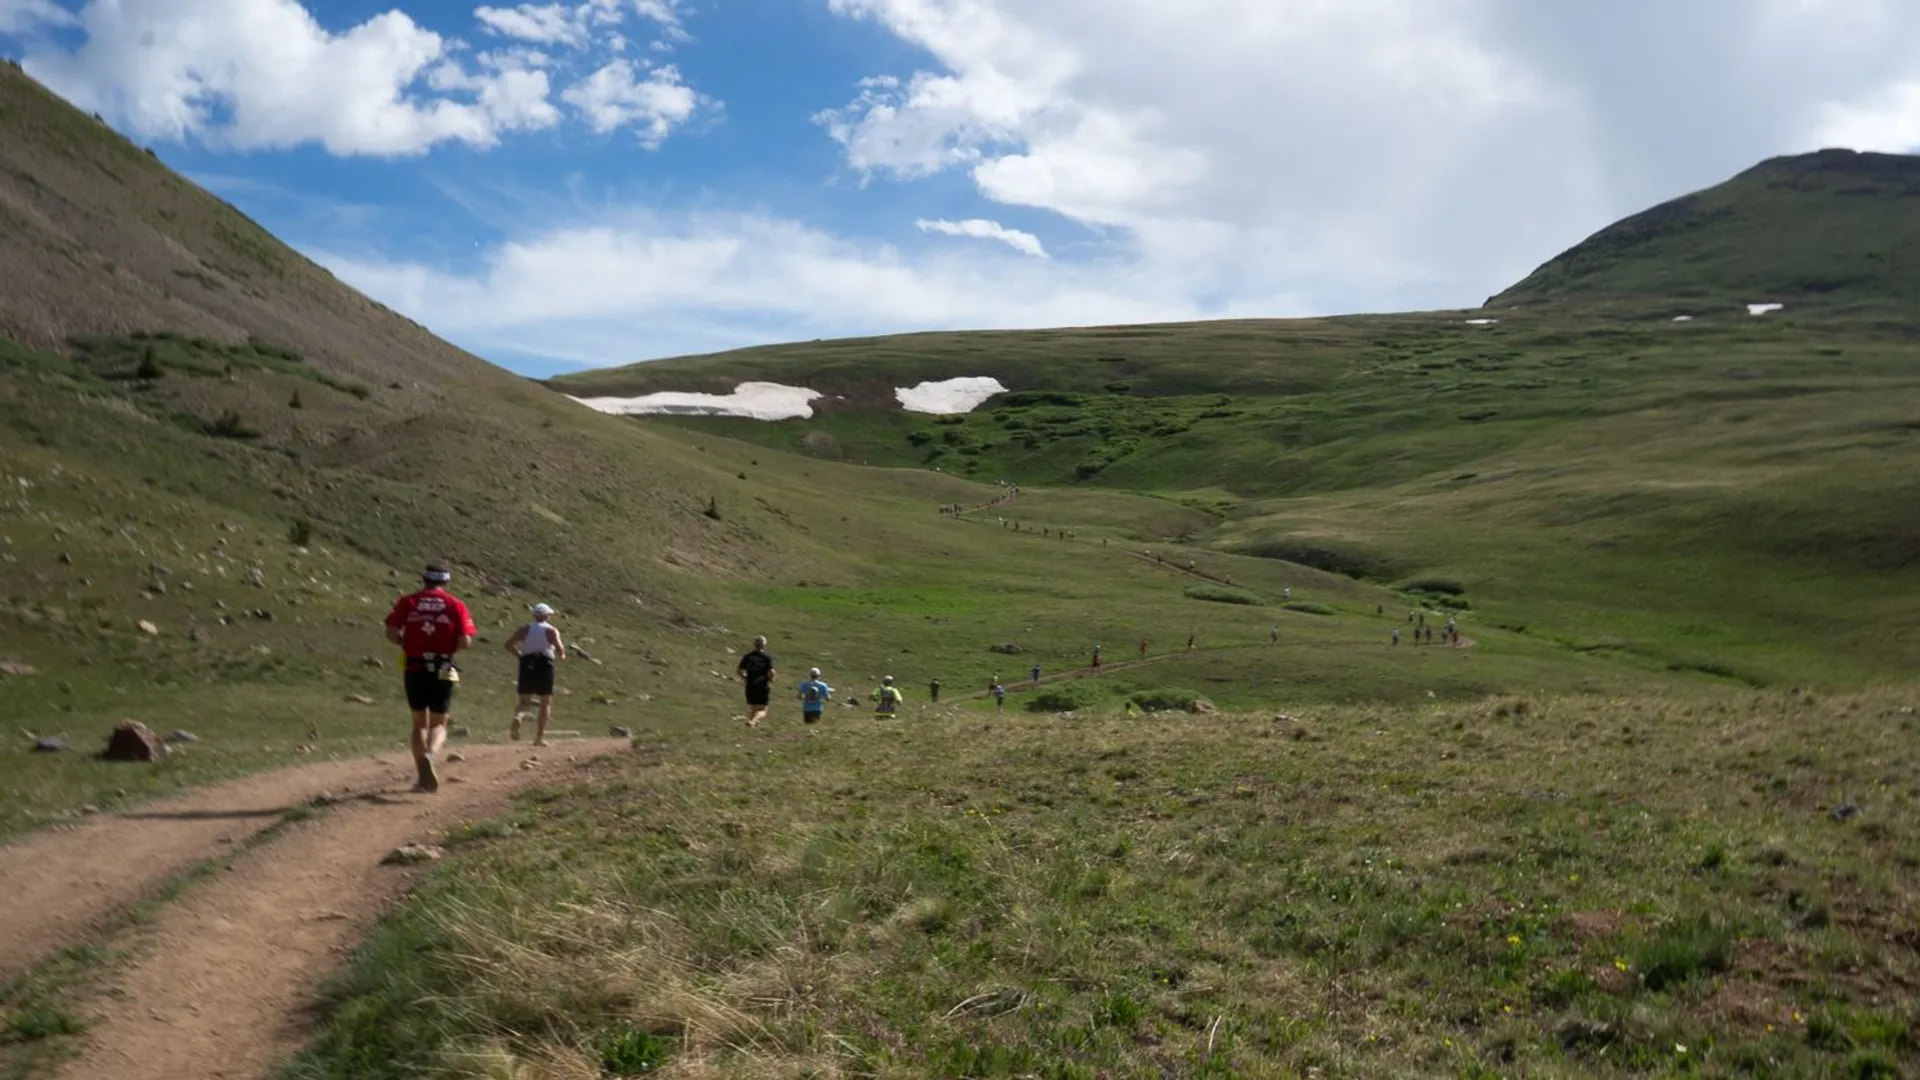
(1203, 706)
(182, 737)
(134, 741)
(1008, 649)
(411, 854)
(618, 732)
(16, 669)
(49, 745)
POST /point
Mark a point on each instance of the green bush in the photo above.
(1164, 699)
(1436, 586)
(1307, 607)
(1223, 594)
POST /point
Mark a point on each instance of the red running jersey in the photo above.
(431, 621)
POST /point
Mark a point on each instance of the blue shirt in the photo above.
(814, 695)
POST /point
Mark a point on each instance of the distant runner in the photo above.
(1143, 648)
(537, 645)
(1189, 642)
(1273, 634)
(999, 693)
(933, 691)
(814, 695)
(757, 671)
(1096, 656)
(1036, 674)
(887, 699)
(430, 626)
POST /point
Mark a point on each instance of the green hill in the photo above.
(1835, 229)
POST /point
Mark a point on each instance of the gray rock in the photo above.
(49, 745)
(412, 854)
(199, 635)
(618, 732)
(1844, 812)
(456, 756)
(372, 662)
(182, 737)
(360, 699)
(16, 669)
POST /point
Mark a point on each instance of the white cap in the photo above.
(813, 673)
(888, 679)
(542, 610)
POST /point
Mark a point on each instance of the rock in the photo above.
(372, 662)
(1844, 812)
(530, 763)
(1008, 649)
(49, 745)
(257, 577)
(325, 798)
(604, 701)
(182, 737)
(199, 635)
(412, 854)
(1203, 707)
(146, 627)
(262, 614)
(66, 559)
(618, 732)
(456, 756)
(360, 699)
(134, 741)
(16, 669)
(89, 809)
(157, 588)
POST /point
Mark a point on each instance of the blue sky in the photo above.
(589, 182)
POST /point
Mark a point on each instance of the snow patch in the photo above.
(1683, 318)
(1762, 309)
(948, 397)
(751, 400)
(1481, 322)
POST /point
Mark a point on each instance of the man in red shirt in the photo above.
(430, 626)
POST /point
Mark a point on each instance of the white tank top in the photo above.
(538, 642)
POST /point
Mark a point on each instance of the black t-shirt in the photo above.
(757, 666)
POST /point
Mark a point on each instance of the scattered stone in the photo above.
(1203, 707)
(66, 559)
(147, 627)
(156, 588)
(262, 614)
(618, 732)
(257, 577)
(372, 662)
(89, 809)
(411, 855)
(325, 798)
(49, 745)
(530, 763)
(360, 699)
(456, 756)
(199, 635)
(16, 669)
(604, 701)
(134, 741)
(182, 737)
(1844, 812)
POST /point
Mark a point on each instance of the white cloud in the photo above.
(982, 229)
(21, 17)
(612, 98)
(541, 24)
(639, 284)
(262, 74)
(1888, 121)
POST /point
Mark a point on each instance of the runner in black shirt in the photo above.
(756, 669)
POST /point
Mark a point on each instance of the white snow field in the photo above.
(949, 397)
(1762, 309)
(1481, 322)
(751, 400)
(1683, 318)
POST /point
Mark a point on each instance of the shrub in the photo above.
(1307, 607)
(300, 533)
(1068, 697)
(1223, 594)
(228, 425)
(1165, 700)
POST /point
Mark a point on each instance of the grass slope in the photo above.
(1835, 229)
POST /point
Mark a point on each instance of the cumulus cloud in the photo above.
(265, 74)
(615, 97)
(982, 229)
(641, 284)
(1888, 121)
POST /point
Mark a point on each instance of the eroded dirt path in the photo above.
(230, 969)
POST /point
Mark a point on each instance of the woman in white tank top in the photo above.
(537, 645)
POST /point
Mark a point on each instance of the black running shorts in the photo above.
(428, 692)
(758, 693)
(536, 675)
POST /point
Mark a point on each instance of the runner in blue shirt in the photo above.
(814, 696)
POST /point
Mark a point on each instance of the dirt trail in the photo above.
(231, 968)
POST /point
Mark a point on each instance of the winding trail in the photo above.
(227, 972)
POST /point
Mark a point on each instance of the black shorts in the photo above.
(758, 693)
(428, 692)
(536, 675)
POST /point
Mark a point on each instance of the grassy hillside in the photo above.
(1836, 230)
